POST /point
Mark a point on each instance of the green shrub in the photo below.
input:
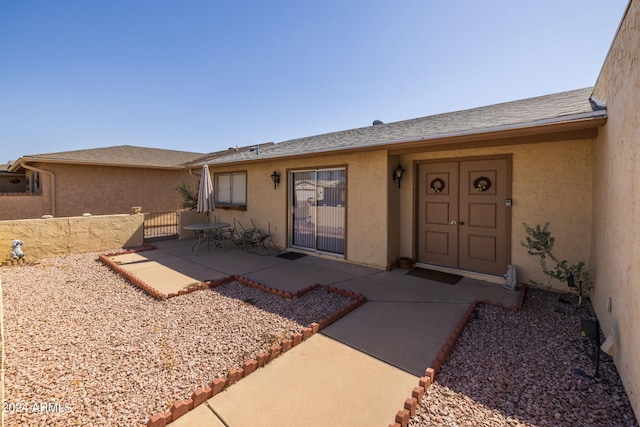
(190, 197)
(539, 243)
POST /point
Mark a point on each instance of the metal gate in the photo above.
(160, 226)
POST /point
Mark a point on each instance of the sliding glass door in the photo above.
(317, 204)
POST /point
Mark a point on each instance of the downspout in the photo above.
(53, 184)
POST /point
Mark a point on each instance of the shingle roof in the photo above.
(122, 155)
(208, 158)
(525, 112)
(571, 105)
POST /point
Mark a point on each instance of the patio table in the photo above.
(206, 232)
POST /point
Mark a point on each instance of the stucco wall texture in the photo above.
(20, 206)
(616, 189)
(103, 190)
(551, 183)
(366, 210)
(45, 238)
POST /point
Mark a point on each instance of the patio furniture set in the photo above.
(250, 239)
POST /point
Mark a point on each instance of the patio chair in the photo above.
(227, 233)
(237, 236)
(255, 240)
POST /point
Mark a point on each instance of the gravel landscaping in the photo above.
(518, 369)
(83, 347)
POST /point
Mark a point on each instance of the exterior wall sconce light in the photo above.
(397, 174)
(275, 177)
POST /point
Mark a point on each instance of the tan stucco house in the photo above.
(99, 181)
(469, 180)
(450, 191)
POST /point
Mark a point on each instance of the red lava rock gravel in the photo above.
(83, 347)
(518, 369)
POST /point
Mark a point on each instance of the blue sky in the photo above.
(203, 76)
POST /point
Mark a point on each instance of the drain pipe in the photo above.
(53, 184)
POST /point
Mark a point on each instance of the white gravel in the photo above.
(518, 369)
(83, 347)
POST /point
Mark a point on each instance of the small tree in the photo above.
(190, 197)
(539, 242)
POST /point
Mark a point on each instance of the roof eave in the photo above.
(16, 165)
(497, 135)
(581, 121)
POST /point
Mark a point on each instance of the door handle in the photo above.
(453, 222)
(461, 222)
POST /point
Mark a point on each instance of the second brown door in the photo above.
(463, 217)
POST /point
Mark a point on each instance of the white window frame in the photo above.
(230, 190)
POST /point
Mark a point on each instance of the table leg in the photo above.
(200, 237)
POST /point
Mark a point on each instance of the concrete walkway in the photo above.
(356, 372)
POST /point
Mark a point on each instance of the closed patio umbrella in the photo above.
(205, 193)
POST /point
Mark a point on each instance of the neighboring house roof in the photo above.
(574, 105)
(228, 152)
(122, 155)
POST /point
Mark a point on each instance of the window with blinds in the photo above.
(231, 189)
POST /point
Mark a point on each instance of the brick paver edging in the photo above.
(201, 395)
(219, 384)
(412, 403)
(136, 281)
(131, 278)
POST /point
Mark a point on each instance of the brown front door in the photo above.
(463, 220)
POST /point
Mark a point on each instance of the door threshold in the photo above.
(500, 280)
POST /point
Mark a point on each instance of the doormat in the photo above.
(291, 255)
(438, 276)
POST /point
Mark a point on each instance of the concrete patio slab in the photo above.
(398, 286)
(201, 416)
(358, 371)
(407, 319)
(130, 259)
(318, 383)
(178, 248)
(403, 334)
(292, 276)
(166, 273)
(238, 262)
(197, 271)
(159, 256)
(164, 279)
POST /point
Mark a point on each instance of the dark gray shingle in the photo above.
(516, 113)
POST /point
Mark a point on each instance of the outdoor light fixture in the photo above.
(397, 174)
(275, 177)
